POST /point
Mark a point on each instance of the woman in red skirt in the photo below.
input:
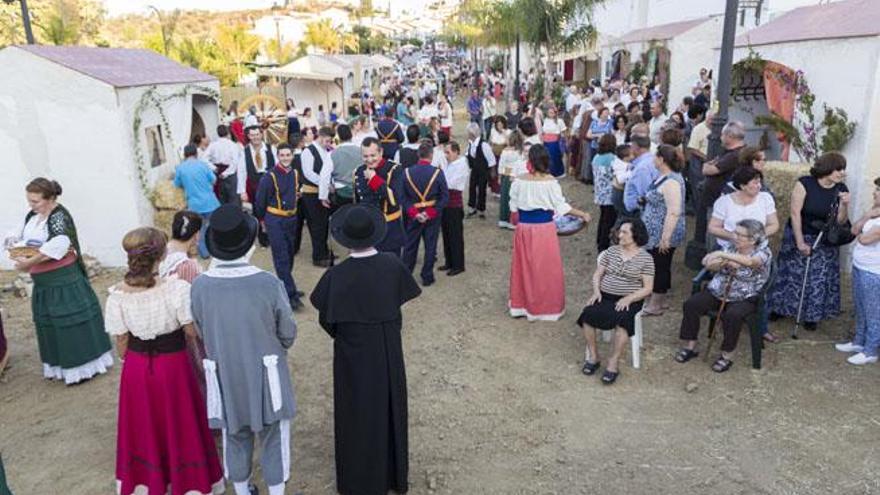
(164, 444)
(537, 285)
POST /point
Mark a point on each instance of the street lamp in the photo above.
(696, 249)
(25, 19)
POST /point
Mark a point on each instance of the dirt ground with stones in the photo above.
(499, 406)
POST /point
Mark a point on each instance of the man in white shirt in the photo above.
(480, 160)
(572, 99)
(251, 120)
(259, 158)
(428, 111)
(317, 168)
(658, 119)
(227, 159)
(439, 159)
(451, 223)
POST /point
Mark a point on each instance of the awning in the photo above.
(587, 52)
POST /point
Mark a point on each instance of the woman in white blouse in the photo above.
(163, 440)
(511, 164)
(67, 314)
(537, 285)
(552, 131)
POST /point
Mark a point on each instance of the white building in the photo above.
(291, 28)
(837, 46)
(77, 114)
(616, 19)
(673, 52)
(315, 80)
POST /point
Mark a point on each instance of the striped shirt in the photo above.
(623, 277)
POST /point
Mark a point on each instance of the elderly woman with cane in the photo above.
(813, 199)
(742, 269)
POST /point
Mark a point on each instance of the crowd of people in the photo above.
(382, 183)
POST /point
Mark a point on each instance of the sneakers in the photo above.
(861, 358)
(848, 347)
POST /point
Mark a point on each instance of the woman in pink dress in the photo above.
(163, 441)
(537, 285)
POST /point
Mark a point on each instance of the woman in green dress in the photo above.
(70, 327)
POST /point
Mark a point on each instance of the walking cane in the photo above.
(718, 317)
(797, 323)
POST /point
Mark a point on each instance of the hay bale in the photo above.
(781, 178)
(168, 197)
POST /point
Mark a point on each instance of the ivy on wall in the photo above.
(152, 98)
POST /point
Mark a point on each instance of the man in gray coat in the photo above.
(246, 323)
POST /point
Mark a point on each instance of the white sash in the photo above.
(215, 403)
(271, 364)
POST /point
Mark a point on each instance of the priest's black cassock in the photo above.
(359, 303)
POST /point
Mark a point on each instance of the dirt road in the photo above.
(499, 406)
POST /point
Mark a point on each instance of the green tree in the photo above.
(320, 35)
(167, 27)
(556, 26)
(56, 22)
(237, 45)
(282, 53)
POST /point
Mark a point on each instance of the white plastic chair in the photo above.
(635, 341)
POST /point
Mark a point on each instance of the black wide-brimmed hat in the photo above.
(231, 233)
(358, 226)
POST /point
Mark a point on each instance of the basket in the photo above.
(23, 252)
(567, 225)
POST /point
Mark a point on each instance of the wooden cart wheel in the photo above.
(272, 116)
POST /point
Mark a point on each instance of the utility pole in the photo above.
(277, 20)
(516, 90)
(696, 249)
(25, 20)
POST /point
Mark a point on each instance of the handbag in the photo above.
(837, 233)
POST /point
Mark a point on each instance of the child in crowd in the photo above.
(622, 169)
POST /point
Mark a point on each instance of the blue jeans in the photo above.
(866, 286)
(203, 247)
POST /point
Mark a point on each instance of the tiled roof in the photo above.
(119, 67)
(846, 19)
(662, 32)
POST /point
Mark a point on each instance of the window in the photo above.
(155, 145)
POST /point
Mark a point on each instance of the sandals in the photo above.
(658, 311)
(773, 339)
(589, 368)
(684, 355)
(609, 377)
(721, 365)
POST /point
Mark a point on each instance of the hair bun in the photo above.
(56, 187)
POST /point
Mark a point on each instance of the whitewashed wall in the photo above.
(308, 93)
(60, 124)
(842, 73)
(77, 130)
(617, 17)
(692, 50)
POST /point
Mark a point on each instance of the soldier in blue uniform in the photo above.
(390, 134)
(276, 206)
(425, 194)
(379, 182)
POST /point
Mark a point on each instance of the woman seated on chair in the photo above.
(623, 279)
(741, 271)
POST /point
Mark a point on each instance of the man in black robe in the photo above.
(359, 304)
